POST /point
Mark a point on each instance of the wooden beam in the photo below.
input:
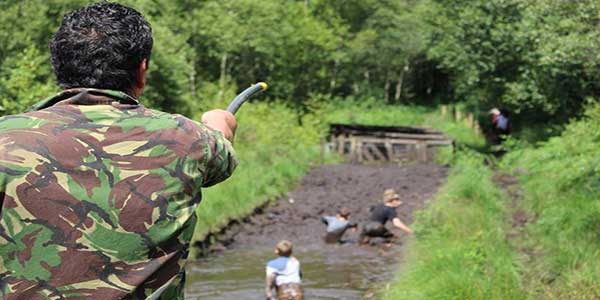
(365, 152)
(377, 153)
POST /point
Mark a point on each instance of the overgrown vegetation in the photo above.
(538, 58)
(561, 180)
(460, 250)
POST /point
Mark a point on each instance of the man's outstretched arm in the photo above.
(401, 225)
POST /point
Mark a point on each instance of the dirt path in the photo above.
(331, 271)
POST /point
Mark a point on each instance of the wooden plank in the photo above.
(379, 155)
(366, 153)
(392, 141)
(405, 136)
(446, 142)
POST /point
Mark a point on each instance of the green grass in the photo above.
(460, 250)
(561, 180)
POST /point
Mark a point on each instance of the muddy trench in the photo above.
(235, 269)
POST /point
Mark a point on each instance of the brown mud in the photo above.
(345, 271)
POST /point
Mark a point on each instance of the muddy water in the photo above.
(331, 272)
(346, 271)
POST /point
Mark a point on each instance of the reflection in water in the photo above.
(329, 272)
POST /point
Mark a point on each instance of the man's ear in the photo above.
(140, 81)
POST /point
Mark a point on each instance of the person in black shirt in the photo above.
(380, 214)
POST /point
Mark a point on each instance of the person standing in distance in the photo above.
(97, 192)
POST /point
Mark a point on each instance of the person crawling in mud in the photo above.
(380, 214)
(283, 274)
(337, 226)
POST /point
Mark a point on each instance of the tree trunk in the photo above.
(192, 77)
(223, 77)
(333, 79)
(356, 88)
(400, 83)
(387, 88)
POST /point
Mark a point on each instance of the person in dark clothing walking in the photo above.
(502, 126)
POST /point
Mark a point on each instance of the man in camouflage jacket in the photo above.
(97, 192)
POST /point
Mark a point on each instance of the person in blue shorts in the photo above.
(283, 274)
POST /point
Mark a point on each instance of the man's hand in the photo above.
(221, 120)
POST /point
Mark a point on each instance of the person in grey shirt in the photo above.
(337, 225)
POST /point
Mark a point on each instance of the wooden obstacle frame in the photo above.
(362, 143)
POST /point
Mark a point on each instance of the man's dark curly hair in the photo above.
(101, 46)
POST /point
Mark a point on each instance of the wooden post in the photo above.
(322, 154)
(333, 143)
(390, 150)
(353, 150)
(470, 120)
(444, 110)
(422, 151)
(457, 115)
(341, 144)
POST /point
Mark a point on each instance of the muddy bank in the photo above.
(330, 270)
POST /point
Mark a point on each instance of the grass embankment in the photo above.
(275, 151)
(561, 183)
(460, 250)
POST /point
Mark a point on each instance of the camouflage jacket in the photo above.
(97, 197)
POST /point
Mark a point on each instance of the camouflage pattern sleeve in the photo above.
(98, 197)
(220, 159)
(214, 154)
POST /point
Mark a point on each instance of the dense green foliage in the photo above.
(561, 181)
(539, 58)
(460, 250)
